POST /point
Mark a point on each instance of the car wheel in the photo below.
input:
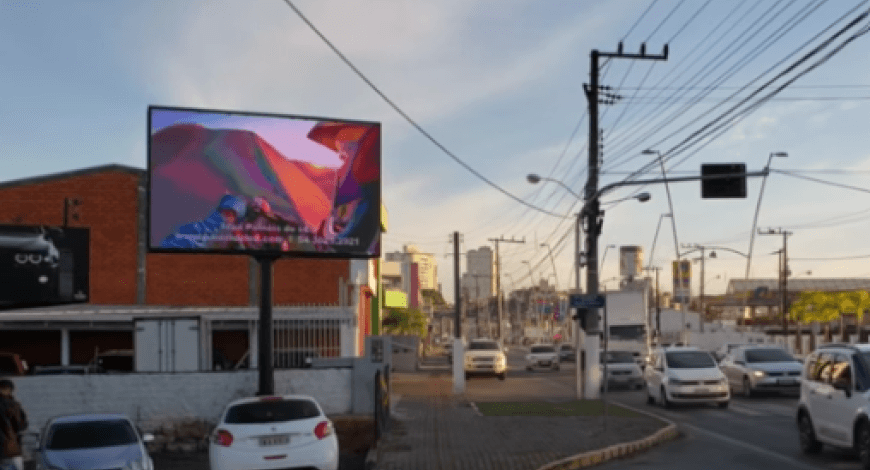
(467, 375)
(747, 387)
(638, 386)
(863, 444)
(664, 398)
(809, 444)
(502, 376)
(556, 367)
(722, 404)
(649, 398)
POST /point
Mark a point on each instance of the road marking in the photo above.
(744, 410)
(793, 463)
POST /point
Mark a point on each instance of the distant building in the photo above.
(479, 277)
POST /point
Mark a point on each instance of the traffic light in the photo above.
(723, 188)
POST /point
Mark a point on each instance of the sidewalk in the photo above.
(433, 430)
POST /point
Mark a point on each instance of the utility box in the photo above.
(168, 344)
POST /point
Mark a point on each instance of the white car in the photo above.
(685, 374)
(542, 356)
(833, 407)
(622, 369)
(486, 357)
(273, 432)
(762, 368)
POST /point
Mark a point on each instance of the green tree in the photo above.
(405, 321)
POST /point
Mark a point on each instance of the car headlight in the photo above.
(759, 374)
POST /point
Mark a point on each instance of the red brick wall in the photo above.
(108, 207)
(305, 280)
(201, 280)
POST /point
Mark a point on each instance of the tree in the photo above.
(405, 321)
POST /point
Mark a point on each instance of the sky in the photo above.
(498, 88)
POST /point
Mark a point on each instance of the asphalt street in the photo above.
(752, 433)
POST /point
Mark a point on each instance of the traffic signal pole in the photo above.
(593, 216)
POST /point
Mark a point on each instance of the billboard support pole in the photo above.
(264, 348)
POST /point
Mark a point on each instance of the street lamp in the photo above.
(604, 256)
(550, 250)
(653, 249)
(701, 248)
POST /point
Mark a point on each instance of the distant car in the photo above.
(273, 432)
(567, 353)
(92, 441)
(542, 356)
(762, 368)
(726, 349)
(622, 369)
(485, 357)
(685, 374)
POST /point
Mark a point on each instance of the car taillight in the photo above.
(323, 429)
(223, 438)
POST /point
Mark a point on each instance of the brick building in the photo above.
(111, 201)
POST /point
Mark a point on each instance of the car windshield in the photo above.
(768, 355)
(543, 349)
(620, 357)
(689, 360)
(483, 346)
(91, 434)
(271, 411)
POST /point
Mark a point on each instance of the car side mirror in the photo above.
(843, 384)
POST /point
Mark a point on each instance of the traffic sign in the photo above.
(587, 301)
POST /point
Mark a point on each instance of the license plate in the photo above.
(275, 440)
(787, 381)
(702, 390)
(544, 363)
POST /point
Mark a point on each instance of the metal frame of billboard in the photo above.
(376, 204)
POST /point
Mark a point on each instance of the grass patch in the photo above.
(538, 408)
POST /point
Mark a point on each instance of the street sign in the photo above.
(587, 301)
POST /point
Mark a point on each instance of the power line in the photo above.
(830, 183)
(410, 120)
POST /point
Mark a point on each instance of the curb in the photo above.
(617, 451)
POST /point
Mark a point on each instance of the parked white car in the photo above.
(622, 369)
(835, 391)
(762, 368)
(542, 356)
(685, 374)
(486, 357)
(274, 432)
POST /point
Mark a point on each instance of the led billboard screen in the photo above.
(234, 182)
(43, 265)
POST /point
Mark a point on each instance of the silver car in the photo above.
(751, 369)
(92, 442)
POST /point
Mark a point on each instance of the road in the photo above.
(752, 433)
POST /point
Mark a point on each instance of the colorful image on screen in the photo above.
(231, 182)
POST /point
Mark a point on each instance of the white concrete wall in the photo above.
(154, 400)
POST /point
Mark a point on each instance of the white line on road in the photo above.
(793, 463)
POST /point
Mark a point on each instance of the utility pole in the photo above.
(458, 353)
(783, 277)
(593, 213)
(498, 280)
